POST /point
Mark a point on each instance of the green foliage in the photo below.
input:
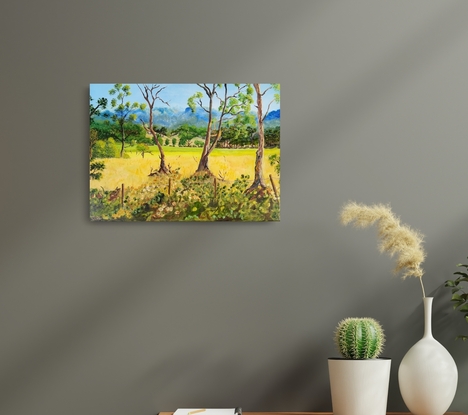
(459, 294)
(197, 198)
(143, 149)
(95, 110)
(233, 105)
(194, 100)
(103, 129)
(123, 126)
(119, 104)
(186, 132)
(93, 139)
(161, 130)
(237, 104)
(95, 169)
(103, 203)
(238, 134)
(276, 88)
(142, 212)
(275, 161)
(272, 137)
(359, 338)
(105, 149)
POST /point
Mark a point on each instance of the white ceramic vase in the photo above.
(359, 386)
(428, 374)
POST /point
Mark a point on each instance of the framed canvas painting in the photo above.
(184, 152)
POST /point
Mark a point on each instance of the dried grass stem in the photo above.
(395, 238)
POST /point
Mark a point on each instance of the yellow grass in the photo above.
(228, 164)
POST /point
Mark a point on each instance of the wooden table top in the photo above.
(314, 413)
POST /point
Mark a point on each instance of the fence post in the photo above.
(274, 187)
(123, 196)
(215, 184)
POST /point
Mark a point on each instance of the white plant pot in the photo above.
(359, 386)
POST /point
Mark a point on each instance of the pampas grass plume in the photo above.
(395, 238)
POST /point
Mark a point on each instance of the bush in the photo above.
(275, 161)
(192, 199)
(95, 169)
(103, 204)
(459, 287)
(104, 149)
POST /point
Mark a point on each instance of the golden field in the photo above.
(226, 164)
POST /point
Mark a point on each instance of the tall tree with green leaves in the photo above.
(259, 181)
(95, 167)
(95, 110)
(238, 133)
(124, 116)
(231, 105)
(186, 132)
(151, 95)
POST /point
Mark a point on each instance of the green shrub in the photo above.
(105, 149)
(191, 199)
(459, 298)
(104, 203)
(275, 161)
(95, 169)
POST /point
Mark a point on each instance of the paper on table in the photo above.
(208, 411)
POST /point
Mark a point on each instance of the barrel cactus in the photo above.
(359, 338)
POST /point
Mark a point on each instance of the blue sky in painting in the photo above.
(175, 94)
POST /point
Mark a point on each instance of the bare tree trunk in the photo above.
(228, 107)
(258, 180)
(203, 163)
(122, 132)
(162, 165)
(93, 137)
(150, 94)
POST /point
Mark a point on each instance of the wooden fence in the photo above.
(215, 186)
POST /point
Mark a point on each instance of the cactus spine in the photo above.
(359, 338)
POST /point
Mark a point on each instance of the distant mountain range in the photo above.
(171, 118)
(272, 119)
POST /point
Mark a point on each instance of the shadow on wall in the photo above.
(446, 325)
(293, 377)
(301, 386)
(292, 380)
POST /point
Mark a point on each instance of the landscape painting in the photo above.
(184, 152)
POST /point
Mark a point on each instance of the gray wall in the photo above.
(138, 318)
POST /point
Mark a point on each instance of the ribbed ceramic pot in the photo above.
(428, 375)
(359, 387)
